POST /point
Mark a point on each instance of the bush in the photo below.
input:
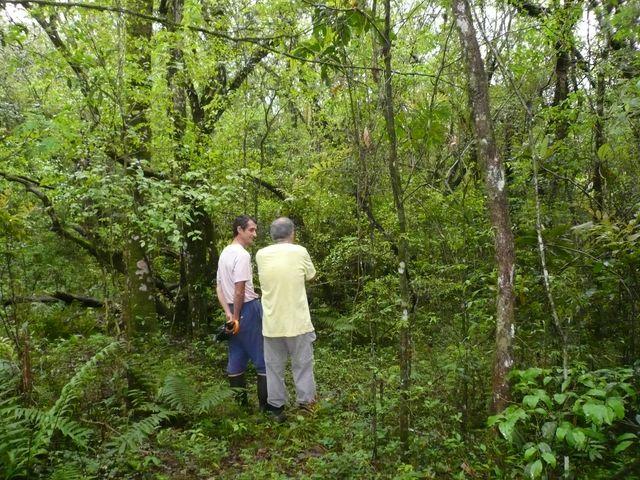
(589, 418)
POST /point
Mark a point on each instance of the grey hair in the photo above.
(281, 229)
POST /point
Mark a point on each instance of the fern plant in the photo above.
(138, 432)
(178, 391)
(26, 433)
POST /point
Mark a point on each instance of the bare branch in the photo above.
(68, 298)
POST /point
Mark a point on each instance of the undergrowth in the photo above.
(161, 409)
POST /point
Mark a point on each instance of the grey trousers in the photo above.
(276, 351)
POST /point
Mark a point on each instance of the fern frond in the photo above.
(79, 434)
(75, 387)
(9, 378)
(7, 350)
(137, 397)
(67, 472)
(32, 415)
(16, 439)
(214, 397)
(25, 433)
(138, 432)
(179, 393)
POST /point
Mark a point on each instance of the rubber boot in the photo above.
(276, 413)
(262, 392)
(239, 384)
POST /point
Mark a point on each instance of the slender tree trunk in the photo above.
(561, 92)
(597, 179)
(497, 202)
(138, 305)
(201, 264)
(405, 352)
(563, 47)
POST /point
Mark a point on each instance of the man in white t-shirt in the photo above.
(286, 325)
(234, 287)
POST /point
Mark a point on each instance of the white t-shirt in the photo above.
(283, 269)
(234, 265)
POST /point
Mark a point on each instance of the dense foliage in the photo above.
(133, 132)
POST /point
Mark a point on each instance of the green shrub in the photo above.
(587, 422)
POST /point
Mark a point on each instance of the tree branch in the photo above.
(105, 257)
(162, 20)
(68, 298)
(222, 89)
(279, 193)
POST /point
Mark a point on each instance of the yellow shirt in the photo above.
(283, 269)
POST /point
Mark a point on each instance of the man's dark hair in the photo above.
(242, 221)
(281, 228)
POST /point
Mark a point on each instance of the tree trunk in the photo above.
(201, 261)
(405, 351)
(138, 305)
(497, 202)
(138, 308)
(597, 179)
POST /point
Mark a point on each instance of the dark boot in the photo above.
(262, 392)
(276, 413)
(239, 384)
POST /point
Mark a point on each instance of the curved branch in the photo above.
(221, 89)
(103, 256)
(152, 18)
(279, 193)
(68, 298)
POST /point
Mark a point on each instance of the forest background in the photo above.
(465, 177)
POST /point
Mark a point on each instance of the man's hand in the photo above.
(233, 326)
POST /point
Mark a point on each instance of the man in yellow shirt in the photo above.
(283, 269)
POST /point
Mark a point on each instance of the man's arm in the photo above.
(238, 302)
(223, 303)
(309, 269)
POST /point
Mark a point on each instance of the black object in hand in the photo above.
(223, 334)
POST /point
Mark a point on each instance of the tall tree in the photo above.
(138, 304)
(497, 202)
(406, 306)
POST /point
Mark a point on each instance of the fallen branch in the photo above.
(68, 298)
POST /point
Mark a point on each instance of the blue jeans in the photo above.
(247, 344)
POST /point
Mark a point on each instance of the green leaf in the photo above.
(530, 452)
(506, 429)
(617, 405)
(597, 392)
(493, 419)
(595, 413)
(579, 438)
(544, 447)
(535, 470)
(550, 458)
(605, 152)
(563, 430)
(626, 436)
(622, 446)
(548, 429)
(530, 401)
(560, 398)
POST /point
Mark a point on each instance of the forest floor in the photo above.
(335, 441)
